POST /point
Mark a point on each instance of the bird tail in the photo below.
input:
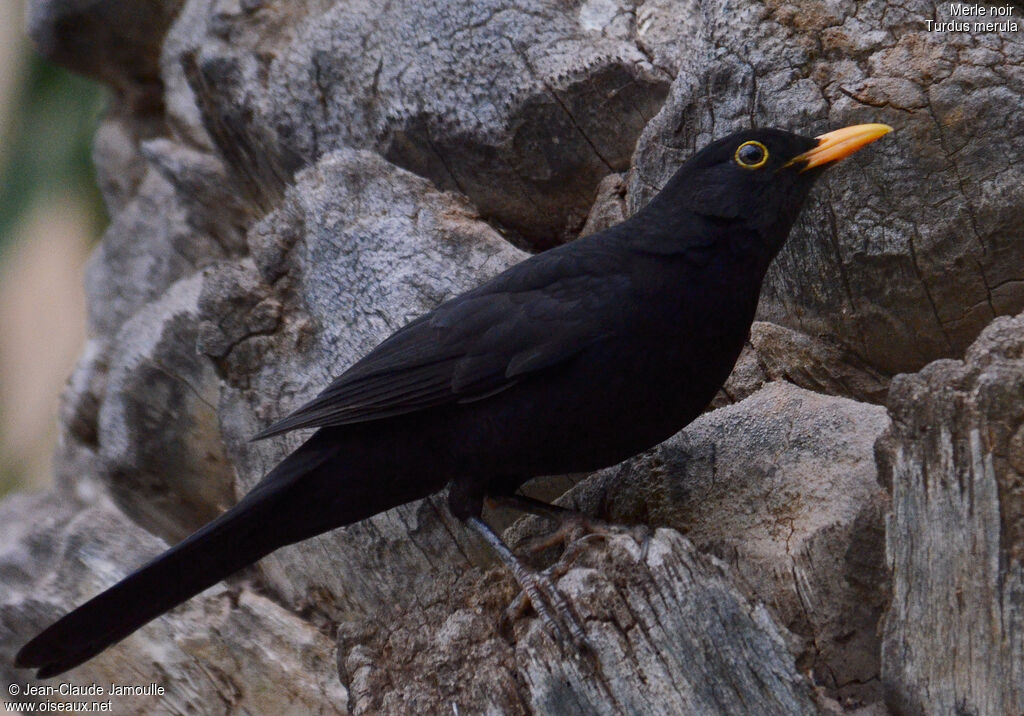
(289, 505)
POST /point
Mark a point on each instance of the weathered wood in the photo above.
(909, 250)
(783, 487)
(954, 634)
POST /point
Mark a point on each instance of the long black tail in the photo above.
(303, 496)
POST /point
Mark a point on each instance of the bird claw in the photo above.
(540, 591)
(573, 528)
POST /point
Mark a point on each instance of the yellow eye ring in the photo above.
(751, 155)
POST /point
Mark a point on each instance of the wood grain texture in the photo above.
(953, 633)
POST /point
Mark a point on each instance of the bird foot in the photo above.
(572, 526)
(540, 592)
(574, 529)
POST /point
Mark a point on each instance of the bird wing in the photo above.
(536, 315)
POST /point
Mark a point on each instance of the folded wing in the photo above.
(537, 315)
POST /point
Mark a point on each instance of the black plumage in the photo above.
(570, 361)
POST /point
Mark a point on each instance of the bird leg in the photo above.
(572, 524)
(538, 587)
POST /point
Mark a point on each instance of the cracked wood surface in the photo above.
(907, 252)
(955, 542)
(811, 550)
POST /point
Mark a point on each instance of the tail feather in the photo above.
(281, 510)
(221, 548)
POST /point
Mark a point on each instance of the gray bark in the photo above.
(954, 634)
(783, 487)
(288, 183)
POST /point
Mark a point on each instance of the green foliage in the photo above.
(48, 146)
(46, 157)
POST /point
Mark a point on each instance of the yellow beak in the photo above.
(840, 144)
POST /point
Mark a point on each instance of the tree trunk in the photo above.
(288, 183)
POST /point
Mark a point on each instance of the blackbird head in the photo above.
(757, 179)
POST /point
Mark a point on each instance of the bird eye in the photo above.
(751, 155)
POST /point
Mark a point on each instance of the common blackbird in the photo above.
(570, 361)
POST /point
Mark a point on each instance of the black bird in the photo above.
(570, 361)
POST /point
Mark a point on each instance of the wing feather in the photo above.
(535, 316)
